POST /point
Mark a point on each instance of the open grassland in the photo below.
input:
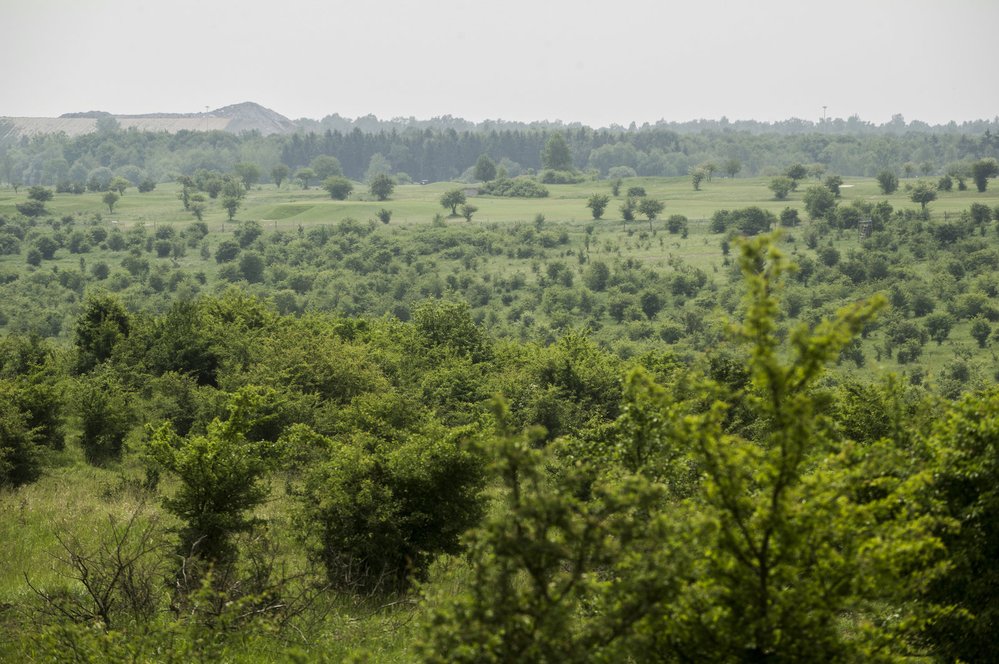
(291, 205)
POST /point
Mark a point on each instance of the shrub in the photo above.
(339, 188)
(220, 477)
(105, 416)
(379, 509)
(19, 461)
(521, 187)
(676, 224)
(551, 176)
(227, 251)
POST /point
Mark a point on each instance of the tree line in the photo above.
(448, 154)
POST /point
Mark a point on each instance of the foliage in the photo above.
(819, 202)
(102, 325)
(20, 462)
(467, 210)
(982, 170)
(452, 199)
(583, 561)
(447, 327)
(597, 204)
(520, 187)
(381, 186)
(102, 405)
(305, 176)
(888, 182)
(248, 173)
(966, 481)
(40, 194)
(697, 176)
(535, 593)
(339, 188)
(796, 173)
(326, 166)
(376, 509)
(923, 193)
(556, 155)
(279, 174)
(220, 475)
(651, 208)
(981, 330)
(31, 208)
(110, 199)
(552, 176)
(485, 169)
(833, 183)
(628, 208)
(231, 204)
(781, 186)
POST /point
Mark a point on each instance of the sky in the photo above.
(599, 63)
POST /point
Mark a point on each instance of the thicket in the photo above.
(525, 501)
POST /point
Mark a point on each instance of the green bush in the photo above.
(379, 508)
(19, 460)
(220, 477)
(522, 187)
(551, 176)
(104, 410)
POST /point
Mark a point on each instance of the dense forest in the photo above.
(410, 151)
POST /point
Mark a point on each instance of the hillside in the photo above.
(235, 118)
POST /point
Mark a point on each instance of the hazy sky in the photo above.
(574, 60)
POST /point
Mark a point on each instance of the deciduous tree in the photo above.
(220, 476)
(452, 199)
(231, 204)
(888, 182)
(556, 154)
(339, 188)
(485, 169)
(110, 198)
(819, 202)
(326, 166)
(651, 208)
(382, 186)
(305, 176)
(597, 204)
(697, 175)
(248, 173)
(923, 193)
(781, 186)
(982, 170)
(279, 174)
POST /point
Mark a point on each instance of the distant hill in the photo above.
(236, 118)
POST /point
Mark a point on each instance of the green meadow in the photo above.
(291, 205)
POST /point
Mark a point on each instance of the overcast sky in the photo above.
(576, 60)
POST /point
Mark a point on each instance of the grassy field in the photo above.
(291, 206)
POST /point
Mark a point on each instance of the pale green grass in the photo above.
(291, 206)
